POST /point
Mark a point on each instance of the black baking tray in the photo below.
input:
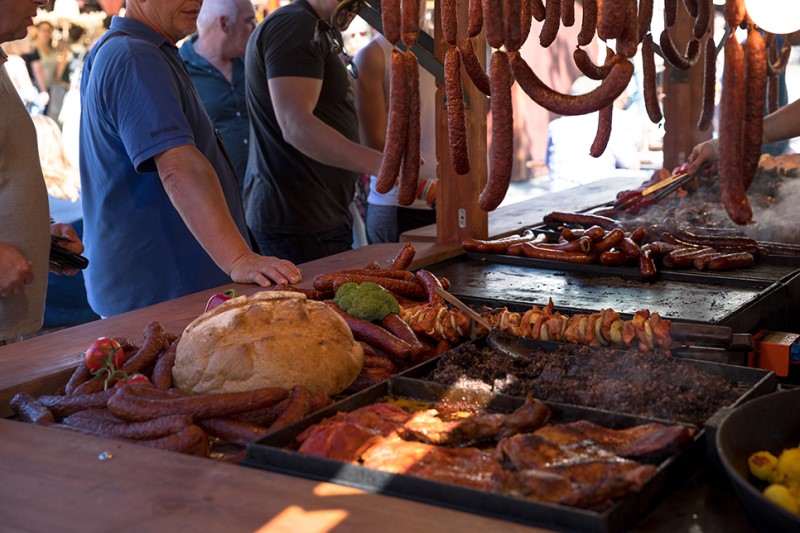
(757, 382)
(734, 302)
(274, 452)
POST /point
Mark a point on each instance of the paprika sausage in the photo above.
(755, 94)
(709, 85)
(603, 134)
(232, 430)
(404, 257)
(563, 104)
(409, 24)
(552, 22)
(390, 18)
(645, 17)
(494, 22)
(588, 22)
(651, 102)
(584, 219)
(674, 57)
(400, 329)
(456, 119)
(734, 12)
(475, 23)
(734, 198)
(161, 378)
(376, 336)
(473, 67)
(501, 153)
(409, 168)
(499, 246)
(300, 402)
(66, 405)
(568, 12)
(731, 261)
(108, 425)
(449, 21)
(537, 252)
(589, 69)
(31, 410)
(396, 125)
(513, 12)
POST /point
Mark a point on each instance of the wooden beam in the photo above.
(457, 213)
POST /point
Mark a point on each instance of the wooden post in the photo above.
(457, 213)
(683, 99)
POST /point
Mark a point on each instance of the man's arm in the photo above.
(294, 100)
(371, 105)
(194, 189)
(15, 270)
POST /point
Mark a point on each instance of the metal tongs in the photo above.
(657, 191)
(502, 343)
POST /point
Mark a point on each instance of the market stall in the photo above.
(655, 459)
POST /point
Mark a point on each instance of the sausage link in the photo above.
(325, 282)
(674, 57)
(734, 12)
(651, 101)
(311, 294)
(603, 134)
(684, 257)
(400, 329)
(396, 125)
(583, 244)
(494, 22)
(409, 168)
(703, 18)
(709, 85)
(161, 378)
(378, 361)
(629, 247)
(390, 18)
(525, 22)
(66, 405)
(670, 13)
(81, 375)
(192, 441)
(691, 7)
(583, 219)
(376, 336)
(134, 403)
(628, 39)
(108, 425)
(450, 21)
(145, 358)
(409, 23)
(537, 10)
(734, 198)
(614, 258)
(567, 13)
(552, 22)
(755, 95)
(473, 67)
(645, 17)
(31, 410)
(588, 22)
(300, 402)
(404, 257)
(612, 20)
(589, 69)
(430, 283)
(501, 152)
(233, 431)
(407, 289)
(475, 24)
(563, 104)
(537, 252)
(499, 246)
(612, 238)
(647, 267)
(731, 261)
(456, 119)
(513, 13)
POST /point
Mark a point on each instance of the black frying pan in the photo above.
(770, 423)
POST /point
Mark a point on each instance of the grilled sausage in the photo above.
(376, 336)
(404, 257)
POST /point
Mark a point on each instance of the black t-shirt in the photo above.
(285, 191)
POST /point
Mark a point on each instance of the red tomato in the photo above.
(104, 351)
(135, 378)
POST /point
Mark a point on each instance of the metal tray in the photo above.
(734, 302)
(759, 382)
(275, 452)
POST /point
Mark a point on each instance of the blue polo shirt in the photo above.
(138, 101)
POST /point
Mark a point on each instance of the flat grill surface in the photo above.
(713, 301)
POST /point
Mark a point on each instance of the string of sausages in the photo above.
(157, 415)
(401, 159)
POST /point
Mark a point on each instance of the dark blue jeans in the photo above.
(305, 247)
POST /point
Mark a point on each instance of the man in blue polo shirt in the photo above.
(162, 211)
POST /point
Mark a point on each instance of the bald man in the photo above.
(214, 58)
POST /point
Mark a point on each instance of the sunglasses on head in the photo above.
(328, 35)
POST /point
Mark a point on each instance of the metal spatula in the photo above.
(504, 344)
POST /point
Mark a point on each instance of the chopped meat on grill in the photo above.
(435, 427)
(601, 378)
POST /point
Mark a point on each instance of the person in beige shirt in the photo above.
(24, 218)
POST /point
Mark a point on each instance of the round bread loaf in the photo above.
(269, 339)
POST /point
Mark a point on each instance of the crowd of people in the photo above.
(208, 149)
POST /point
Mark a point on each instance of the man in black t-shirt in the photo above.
(305, 155)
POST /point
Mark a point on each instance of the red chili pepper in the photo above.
(218, 299)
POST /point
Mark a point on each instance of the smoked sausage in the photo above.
(456, 118)
(396, 124)
(501, 153)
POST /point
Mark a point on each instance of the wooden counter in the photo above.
(54, 480)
